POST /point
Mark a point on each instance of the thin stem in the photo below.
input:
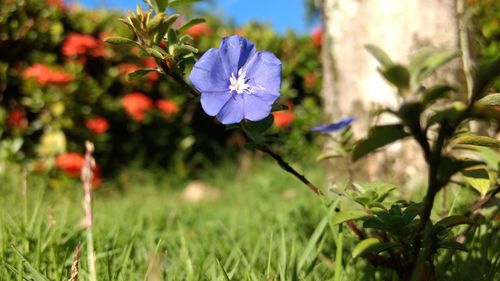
(285, 166)
(87, 177)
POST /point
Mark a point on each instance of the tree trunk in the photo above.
(352, 85)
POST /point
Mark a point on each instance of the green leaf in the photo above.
(378, 137)
(35, 274)
(184, 49)
(348, 215)
(491, 100)
(478, 178)
(435, 93)
(478, 140)
(140, 72)
(120, 40)
(452, 245)
(155, 53)
(485, 112)
(174, 3)
(375, 223)
(452, 221)
(379, 55)
(191, 23)
(410, 113)
(430, 62)
(224, 273)
(371, 245)
(398, 75)
(328, 155)
(487, 72)
(450, 166)
(278, 107)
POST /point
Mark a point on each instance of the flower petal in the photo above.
(266, 96)
(208, 74)
(212, 102)
(327, 128)
(232, 112)
(235, 51)
(255, 108)
(264, 71)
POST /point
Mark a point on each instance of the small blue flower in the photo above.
(237, 82)
(332, 127)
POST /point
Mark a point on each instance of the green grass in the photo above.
(259, 228)
(264, 226)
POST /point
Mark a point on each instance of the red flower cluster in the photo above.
(59, 4)
(17, 118)
(317, 36)
(310, 80)
(136, 104)
(150, 62)
(72, 163)
(199, 30)
(284, 118)
(168, 107)
(79, 44)
(97, 125)
(45, 75)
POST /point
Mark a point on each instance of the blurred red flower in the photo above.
(56, 3)
(77, 44)
(310, 80)
(45, 75)
(72, 163)
(97, 125)
(136, 104)
(150, 62)
(198, 30)
(168, 107)
(284, 118)
(125, 68)
(317, 36)
(17, 118)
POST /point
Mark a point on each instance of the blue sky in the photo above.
(282, 14)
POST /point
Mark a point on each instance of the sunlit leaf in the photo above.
(348, 215)
(478, 178)
(379, 54)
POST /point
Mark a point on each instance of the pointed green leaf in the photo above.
(155, 53)
(328, 155)
(371, 245)
(478, 140)
(348, 215)
(191, 23)
(140, 72)
(487, 72)
(120, 40)
(397, 75)
(432, 62)
(491, 100)
(452, 221)
(478, 178)
(378, 137)
(435, 93)
(450, 166)
(379, 55)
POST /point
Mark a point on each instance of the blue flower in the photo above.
(237, 82)
(332, 127)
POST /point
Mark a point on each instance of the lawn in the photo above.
(260, 225)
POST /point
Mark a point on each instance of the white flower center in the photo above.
(240, 84)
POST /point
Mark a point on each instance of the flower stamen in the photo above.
(239, 84)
